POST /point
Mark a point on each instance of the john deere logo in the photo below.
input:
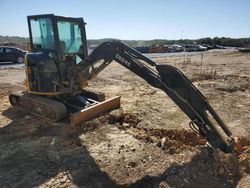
(122, 60)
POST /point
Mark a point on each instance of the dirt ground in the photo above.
(145, 143)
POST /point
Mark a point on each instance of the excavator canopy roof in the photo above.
(62, 35)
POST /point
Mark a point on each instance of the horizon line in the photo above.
(107, 38)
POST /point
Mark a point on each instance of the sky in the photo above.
(136, 19)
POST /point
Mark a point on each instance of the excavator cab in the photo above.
(62, 35)
(57, 45)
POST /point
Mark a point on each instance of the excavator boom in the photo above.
(167, 78)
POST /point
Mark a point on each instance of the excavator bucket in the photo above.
(94, 110)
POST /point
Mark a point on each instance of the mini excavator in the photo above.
(59, 67)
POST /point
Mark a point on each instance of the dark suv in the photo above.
(11, 54)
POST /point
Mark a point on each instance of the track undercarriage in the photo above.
(78, 108)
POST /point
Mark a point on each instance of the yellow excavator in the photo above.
(58, 68)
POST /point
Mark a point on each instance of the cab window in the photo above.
(69, 36)
(42, 33)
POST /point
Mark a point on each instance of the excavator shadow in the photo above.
(202, 171)
(34, 152)
(37, 153)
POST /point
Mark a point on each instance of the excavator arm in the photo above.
(167, 78)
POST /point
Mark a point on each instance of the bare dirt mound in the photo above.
(244, 156)
(172, 140)
(175, 141)
(187, 163)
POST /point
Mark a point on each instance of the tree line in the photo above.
(223, 41)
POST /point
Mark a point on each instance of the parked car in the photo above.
(195, 48)
(201, 48)
(11, 54)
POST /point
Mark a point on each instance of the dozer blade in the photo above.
(94, 111)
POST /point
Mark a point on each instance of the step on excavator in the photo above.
(58, 68)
